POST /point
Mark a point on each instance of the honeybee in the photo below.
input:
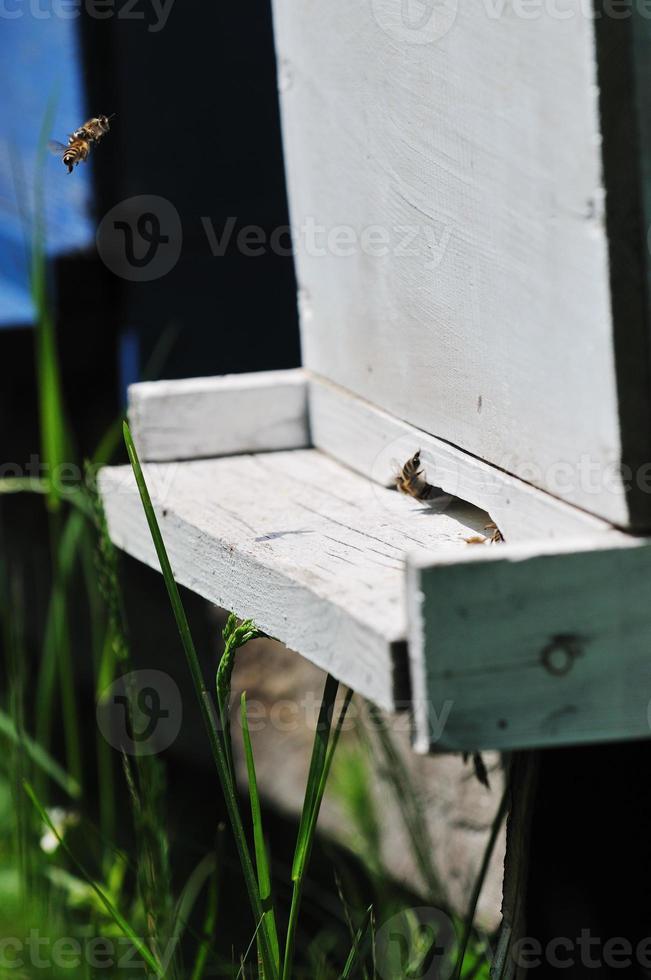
(411, 480)
(81, 141)
(497, 535)
(495, 538)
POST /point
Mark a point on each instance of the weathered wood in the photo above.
(309, 549)
(315, 553)
(522, 646)
(235, 413)
(375, 443)
(450, 233)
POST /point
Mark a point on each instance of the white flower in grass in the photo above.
(61, 820)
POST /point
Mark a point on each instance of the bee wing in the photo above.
(57, 148)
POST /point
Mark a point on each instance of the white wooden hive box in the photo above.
(468, 203)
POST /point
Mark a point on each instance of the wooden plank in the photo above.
(234, 413)
(521, 646)
(375, 443)
(448, 209)
(309, 549)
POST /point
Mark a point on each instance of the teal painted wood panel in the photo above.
(517, 646)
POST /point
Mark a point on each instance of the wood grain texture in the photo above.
(234, 413)
(314, 553)
(522, 646)
(448, 209)
(375, 444)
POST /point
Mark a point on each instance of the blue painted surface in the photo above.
(39, 58)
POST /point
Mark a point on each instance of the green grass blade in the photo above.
(60, 660)
(53, 433)
(25, 484)
(323, 753)
(348, 914)
(354, 957)
(55, 440)
(68, 543)
(317, 762)
(21, 821)
(103, 657)
(204, 870)
(43, 487)
(117, 917)
(262, 863)
(205, 703)
(212, 908)
(235, 635)
(243, 959)
(40, 757)
(108, 445)
(306, 844)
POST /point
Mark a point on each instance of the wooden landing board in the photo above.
(313, 552)
(520, 646)
(234, 413)
(462, 262)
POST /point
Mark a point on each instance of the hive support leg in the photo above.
(522, 777)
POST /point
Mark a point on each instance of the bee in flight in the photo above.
(411, 480)
(81, 141)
